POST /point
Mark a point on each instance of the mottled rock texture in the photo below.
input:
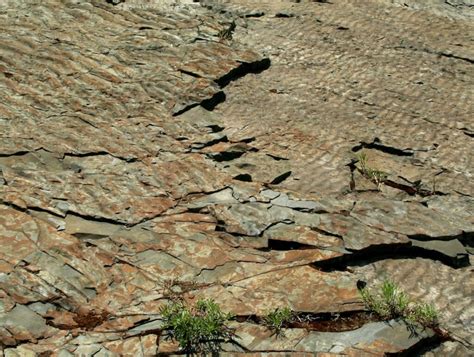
(149, 149)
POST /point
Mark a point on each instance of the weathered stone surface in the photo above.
(144, 155)
(322, 292)
(411, 219)
(450, 290)
(451, 8)
(449, 348)
(375, 339)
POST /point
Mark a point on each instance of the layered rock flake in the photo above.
(262, 154)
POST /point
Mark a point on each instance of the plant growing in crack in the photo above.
(392, 302)
(227, 32)
(424, 314)
(199, 328)
(275, 320)
(376, 176)
(395, 299)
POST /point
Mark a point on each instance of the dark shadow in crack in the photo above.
(377, 145)
(243, 178)
(321, 322)
(377, 253)
(225, 155)
(279, 179)
(420, 348)
(208, 104)
(242, 70)
(281, 245)
(214, 101)
(467, 239)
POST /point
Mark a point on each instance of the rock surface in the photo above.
(144, 154)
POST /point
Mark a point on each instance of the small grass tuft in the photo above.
(375, 303)
(395, 299)
(391, 302)
(376, 176)
(278, 318)
(424, 314)
(199, 328)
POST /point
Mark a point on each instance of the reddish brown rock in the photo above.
(148, 153)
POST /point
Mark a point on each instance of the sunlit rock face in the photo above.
(262, 154)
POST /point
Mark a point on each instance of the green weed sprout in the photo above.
(198, 328)
(391, 302)
(278, 318)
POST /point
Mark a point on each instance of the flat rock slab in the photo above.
(448, 289)
(154, 150)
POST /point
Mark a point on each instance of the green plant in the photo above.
(391, 302)
(376, 176)
(424, 314)
(374, 303)
(276, 319)
(198, 328)
(395, 299)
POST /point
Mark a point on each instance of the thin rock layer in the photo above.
(151, 150)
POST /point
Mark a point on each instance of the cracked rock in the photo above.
(151, 151)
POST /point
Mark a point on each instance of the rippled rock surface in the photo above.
(149, 148)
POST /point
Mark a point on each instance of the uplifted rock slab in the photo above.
(152, 150)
